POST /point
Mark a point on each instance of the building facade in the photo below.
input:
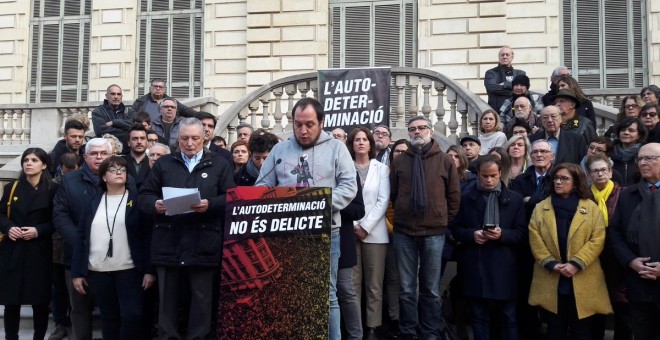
(71, 50)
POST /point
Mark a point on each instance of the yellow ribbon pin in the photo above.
(130, 203)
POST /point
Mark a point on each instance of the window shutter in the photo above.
(387, 42)
(335, 37)
(357, 26)
(410, 35)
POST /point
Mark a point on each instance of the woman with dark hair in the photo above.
(371, 230)
(567, 235)
(631, 134)
(501, 153)
(26, 210)
(586, 108)
(650, 94)
(111, 257)
(631, 106)
(460, 161)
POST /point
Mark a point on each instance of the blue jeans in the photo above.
(419, 257)
(350, 308)
(502, 311)
(334, 321)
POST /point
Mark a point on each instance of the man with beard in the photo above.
(137, 160)
(383, 138)
(520, 90)
(425, 193)
(74, 136)
(208, 121)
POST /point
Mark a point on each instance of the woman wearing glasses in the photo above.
(26, 210)
(111, 258)
(567, 235)
(630, 106)
(631, 135)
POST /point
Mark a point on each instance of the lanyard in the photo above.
(111, 231)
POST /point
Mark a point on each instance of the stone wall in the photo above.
(14, 50)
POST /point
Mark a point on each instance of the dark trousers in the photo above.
(60, 301)
(645, 320)
(12, 320)
(486, 313)
(565, 324)
(81, 311)
(199, 318)
(119, 297)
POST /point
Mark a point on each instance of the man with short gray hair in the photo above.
(167, 124)
(425, 194)
(383, 138)
(187, 246)
(150, 102)
(498, 80)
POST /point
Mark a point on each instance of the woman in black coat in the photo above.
(26, 250)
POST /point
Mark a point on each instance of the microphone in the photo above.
(277, 162)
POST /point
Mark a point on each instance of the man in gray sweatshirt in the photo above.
(312, 158)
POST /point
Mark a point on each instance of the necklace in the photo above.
(114, 219)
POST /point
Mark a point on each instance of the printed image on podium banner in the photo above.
(355, 97)
(275, 281)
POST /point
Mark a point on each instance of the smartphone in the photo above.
(489, 227)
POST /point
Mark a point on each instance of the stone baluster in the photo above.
(473, 116)
(401, 101)
(303, 88)
(253, 107)
(18, 127)
(27, 127)
(2, 125)
(314, 85)
(290, 93)
(265, 102)
(414, 106)
(231, 134)
(277, 115)
(462, 108)
(9, 130)
(453, 121)
(65, 113)
(610, 101)
(242, 115)
(440, 126)
(426, 90)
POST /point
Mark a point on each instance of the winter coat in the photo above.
(586, 239)
(191, 239)
(26, 266)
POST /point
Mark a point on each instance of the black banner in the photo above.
(355, 97)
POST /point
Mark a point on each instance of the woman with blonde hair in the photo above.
(491, 131)
(518, 148)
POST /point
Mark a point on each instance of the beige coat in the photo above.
(586, 238)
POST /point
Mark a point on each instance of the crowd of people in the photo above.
(548, 222)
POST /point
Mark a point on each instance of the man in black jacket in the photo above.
(74, 137)
(187, 245)
(567, 146)
(150, 101)
(137, 160)
(633, 235)
(498, 79)
(113, 117)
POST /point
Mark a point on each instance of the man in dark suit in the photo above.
(567, 146)
(208, 121)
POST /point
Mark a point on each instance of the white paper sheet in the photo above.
(178, 200)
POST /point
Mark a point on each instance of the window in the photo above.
(604, 42)
(373, 33)
(170, 46)
(59, 55)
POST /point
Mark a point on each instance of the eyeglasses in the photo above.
(396, 152)
(420, 128)
(168, 107)
(561, 179)
(98, 154)
(648, 159)
(595, 149)
(649, 114)
(338, 135)
(381, 134)
(599, 171)
(631, 106)
(117, 171)
(158, 86)
(540, 152)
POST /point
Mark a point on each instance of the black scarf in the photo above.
(643, 229)
(492, 213)
(419, 185)
(251, 168)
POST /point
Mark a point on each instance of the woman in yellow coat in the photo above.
(567, 235)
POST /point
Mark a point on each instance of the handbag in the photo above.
(11, 198)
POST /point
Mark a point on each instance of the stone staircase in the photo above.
(26, 326)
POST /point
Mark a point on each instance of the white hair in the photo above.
(97, 142)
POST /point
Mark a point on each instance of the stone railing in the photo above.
(41, 125)
(451, 107)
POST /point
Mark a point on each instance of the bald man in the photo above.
(498, 79)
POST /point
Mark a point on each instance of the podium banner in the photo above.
(275, 279)
(355, 97)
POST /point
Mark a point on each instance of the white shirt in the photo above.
(99, 238)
